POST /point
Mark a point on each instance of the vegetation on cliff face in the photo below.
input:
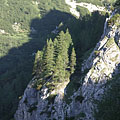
(56, 62)
(114, 20)
(24, 28)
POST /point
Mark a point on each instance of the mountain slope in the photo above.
(97, 71)
(23, 31)
(25, 27)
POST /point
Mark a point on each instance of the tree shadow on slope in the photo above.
(16, 66)
(87, 31)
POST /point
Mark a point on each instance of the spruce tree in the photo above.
(68, 38)
(61, 42)
(72, 61)
(48, 59)
(63, 48)
(59, 71)
(38, 64)
(55, 49)
(61, 53)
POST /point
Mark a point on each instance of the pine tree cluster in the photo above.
(57, 61)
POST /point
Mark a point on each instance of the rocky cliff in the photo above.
(101, 65)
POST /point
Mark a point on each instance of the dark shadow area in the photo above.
(49, 22)
(109, 106)
(16, 67)
(85, 32)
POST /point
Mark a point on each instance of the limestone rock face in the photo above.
(41, 105)
(101, 65)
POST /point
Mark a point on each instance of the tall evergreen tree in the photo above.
(59, 71)
(55, 58)
(63, 48)
(68, 38)
(61, 42)
(61, 53)
(72, 61)
(55, 49)
(48, 59)
(38, 64)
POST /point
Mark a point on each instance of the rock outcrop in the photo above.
(101, 65)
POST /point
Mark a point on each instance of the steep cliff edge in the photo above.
(101, 65)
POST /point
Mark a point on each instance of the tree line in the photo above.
(56, 61)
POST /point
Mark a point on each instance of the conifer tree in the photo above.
(48, 59)
(72, 61)
(59, 71)
(68, 38)
(61, 53)
(38, 64)
(61, 42)
(55, 49)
